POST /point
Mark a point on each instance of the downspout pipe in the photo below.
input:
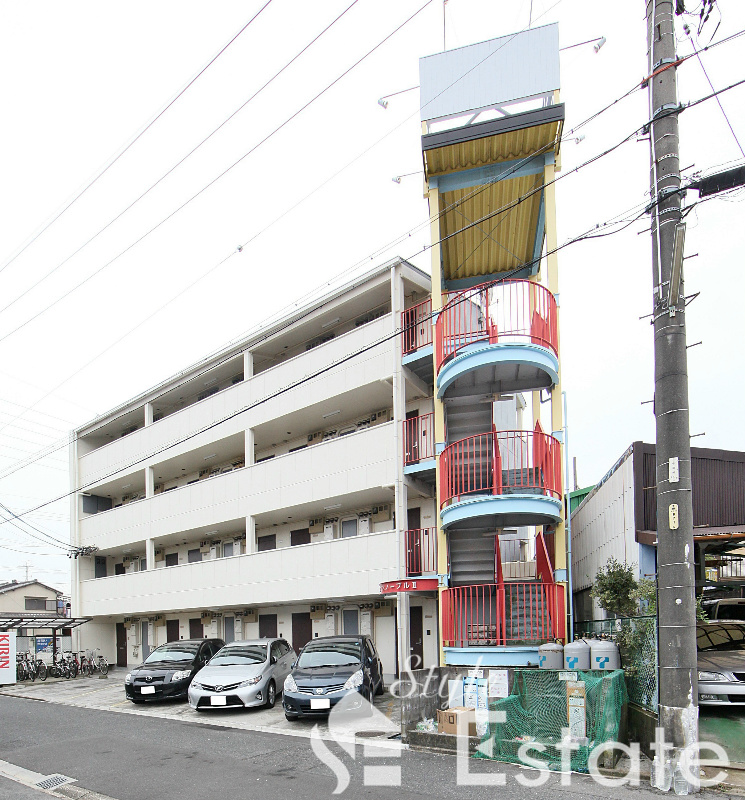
(568, 524)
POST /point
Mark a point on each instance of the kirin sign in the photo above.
(7, 657)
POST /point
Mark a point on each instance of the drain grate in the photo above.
(53, 781)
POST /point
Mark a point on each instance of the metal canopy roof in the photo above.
(10, 621)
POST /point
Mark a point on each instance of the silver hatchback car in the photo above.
(243, 675)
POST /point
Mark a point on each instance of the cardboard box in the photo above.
(448, 720)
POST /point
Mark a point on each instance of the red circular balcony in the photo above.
(501, 463)
(507, 312)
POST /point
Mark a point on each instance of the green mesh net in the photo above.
(536, 713)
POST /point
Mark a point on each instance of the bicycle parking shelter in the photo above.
(40, 620)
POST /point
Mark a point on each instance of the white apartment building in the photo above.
(262, 491)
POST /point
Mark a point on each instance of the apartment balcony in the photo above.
(501, 478)
(419, 446)
(349, 567)
(349, 470)
(497, 338)
(243, 404)
(416, 338)
(421, 552)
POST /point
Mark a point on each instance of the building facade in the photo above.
(618, 519)
(261, 492)
(386, 460)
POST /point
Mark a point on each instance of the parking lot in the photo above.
(107, 693)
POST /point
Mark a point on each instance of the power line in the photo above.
(719, 103)
(293, 385)
(218, 177)
(178, 163)
(504, 208)
(116, 158)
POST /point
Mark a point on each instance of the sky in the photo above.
(307, 192)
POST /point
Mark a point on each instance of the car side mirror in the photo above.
(273, 660)
(293, 665)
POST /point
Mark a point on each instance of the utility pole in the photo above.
(676, 606)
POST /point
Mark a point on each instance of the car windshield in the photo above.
(731, 611)
(330, 654)
(172, 653)
(717, 636)
(240, 654)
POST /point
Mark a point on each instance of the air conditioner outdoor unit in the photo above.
(204, 472)
(207, 615)
(315, 525)
(204, 543)
(250, 616)
(158, 488)
(314, 438)
(159, 556)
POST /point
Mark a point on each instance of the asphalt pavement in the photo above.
(146, 757)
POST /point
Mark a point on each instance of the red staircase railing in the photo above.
(419, 438)
(504, 312)
(502, 614)
(416, 326)
(421, 551)
(544, 571)
(501, 462)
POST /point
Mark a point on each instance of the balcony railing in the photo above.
(502, 614)
(421, 551)
(416, 326)
(500, 463)
(419, 438)
(497, 313)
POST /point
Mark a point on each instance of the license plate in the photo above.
(319, 703)
(218, 700)
(147, 690)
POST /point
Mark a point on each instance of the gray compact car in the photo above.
(243, 675)
(721, 663)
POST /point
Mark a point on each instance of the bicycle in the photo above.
(72, 663)
(97, 663)
(36, 667)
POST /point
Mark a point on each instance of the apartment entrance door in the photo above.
(302, 630)
(411, 443)
(121, 645)
(267, 626)
(145, 639)
(196, 629)
(416, 637)
(171, 630)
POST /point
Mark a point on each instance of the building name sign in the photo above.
(7, 657)
(414, 585)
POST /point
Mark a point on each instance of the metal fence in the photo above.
(636, 638)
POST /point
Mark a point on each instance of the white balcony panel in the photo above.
(353, 567)
(371, 366)
(362, 461)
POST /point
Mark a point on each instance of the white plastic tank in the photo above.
(577, 655)
(551, 656)
(604, 655)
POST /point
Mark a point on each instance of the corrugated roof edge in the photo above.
(237, 346)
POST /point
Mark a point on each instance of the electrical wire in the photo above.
(289, 387)
(550, 145)
(221, 175)
(116, 158)
(178, 163)
(719, 103)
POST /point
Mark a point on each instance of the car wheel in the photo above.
(381, 687)
(271, 695)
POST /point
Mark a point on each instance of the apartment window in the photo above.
(100, 567)
(92, 504)
(267, 542)
(171, 559)
(195, 555)
(35, 603)
(348, 527)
